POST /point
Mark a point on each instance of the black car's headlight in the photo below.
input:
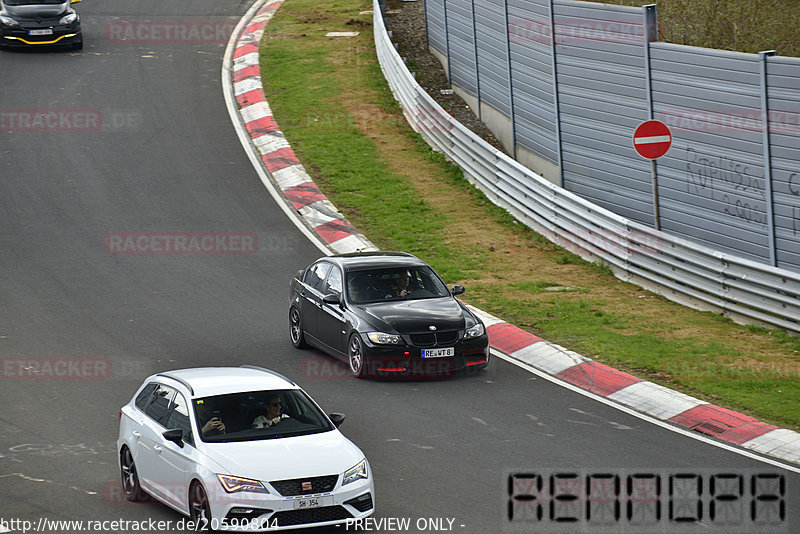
(68, 18)
(234, 484)
(382, 338)
(8, 21)
(476, 331)
(357, 472)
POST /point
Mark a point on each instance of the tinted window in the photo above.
(144, 395)
(159, 403)
(380, 285)
(334, 282)
(315, 276)
(246, 415)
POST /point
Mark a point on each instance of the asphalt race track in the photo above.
(139, 149)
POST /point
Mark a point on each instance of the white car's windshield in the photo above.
(382, 285)
(256, 415)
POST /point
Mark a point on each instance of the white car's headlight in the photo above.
(234, 484)
(357, 472)
(382, 338)
(8, 21)
(475, 331)
(68, 19)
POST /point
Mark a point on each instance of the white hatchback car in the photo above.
(240, 448)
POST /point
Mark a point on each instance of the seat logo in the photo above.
(306, 486)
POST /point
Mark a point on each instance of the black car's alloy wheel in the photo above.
(130, 478)
(296, 329)
(199, 509)
(355, 353)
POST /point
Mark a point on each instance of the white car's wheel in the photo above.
(130, 477)
(199, 509)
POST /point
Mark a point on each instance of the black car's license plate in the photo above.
(40, 32)
(438, 353)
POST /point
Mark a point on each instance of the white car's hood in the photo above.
(328, 453)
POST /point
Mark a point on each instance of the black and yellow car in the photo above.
(40, 23)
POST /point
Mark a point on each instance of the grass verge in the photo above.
(332, 102)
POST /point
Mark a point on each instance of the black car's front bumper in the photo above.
(19, 36)
(406, 358)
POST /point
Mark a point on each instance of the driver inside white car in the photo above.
(272, 415)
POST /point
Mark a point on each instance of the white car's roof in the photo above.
(209, 381)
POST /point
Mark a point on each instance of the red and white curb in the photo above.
(641, 395)
(645, 397)
(276, 155)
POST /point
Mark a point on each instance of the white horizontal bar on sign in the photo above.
(653, 139)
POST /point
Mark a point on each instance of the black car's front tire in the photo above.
(296, 329)
(356, 358)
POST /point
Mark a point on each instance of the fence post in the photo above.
(510, 85)
(427, 30)
(650, 21)
(447, 43)
(477, 67)
(768, 201)
(556, 110)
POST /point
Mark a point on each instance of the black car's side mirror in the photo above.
(175, 436)
(457, 290)
(337, 418)
(333, 298)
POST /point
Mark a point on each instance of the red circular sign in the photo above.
(652, 139)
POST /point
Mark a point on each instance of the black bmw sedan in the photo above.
(387, 314)
(32, 23)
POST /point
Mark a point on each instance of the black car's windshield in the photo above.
(382, 285)
(256, 415)
(32, 2)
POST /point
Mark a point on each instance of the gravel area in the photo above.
(406, 20)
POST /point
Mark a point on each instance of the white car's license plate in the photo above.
(312, 502)
(40, 32)
(438, 353)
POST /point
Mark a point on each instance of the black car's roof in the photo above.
(365, 260)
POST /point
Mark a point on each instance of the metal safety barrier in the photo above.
(693, 275)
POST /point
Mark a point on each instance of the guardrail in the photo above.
(678, 269)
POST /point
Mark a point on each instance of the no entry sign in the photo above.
(652, 139)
